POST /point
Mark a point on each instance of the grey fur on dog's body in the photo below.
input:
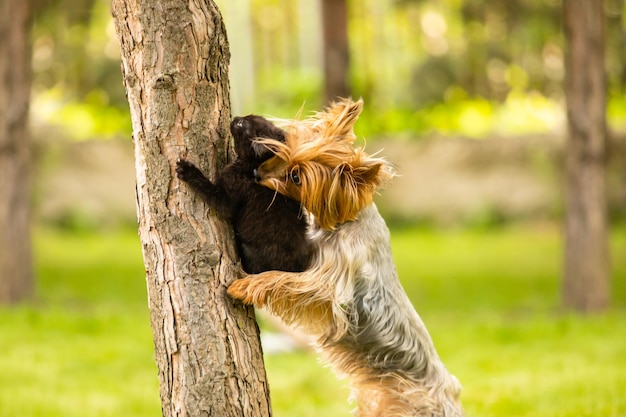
(384, 338)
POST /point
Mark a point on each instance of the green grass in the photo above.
(84, 346)
(489, 298)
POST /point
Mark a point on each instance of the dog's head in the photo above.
(246, 130)
(319, 166)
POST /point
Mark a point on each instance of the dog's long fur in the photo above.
(350, 299)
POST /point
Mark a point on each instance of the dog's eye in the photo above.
(295, 178)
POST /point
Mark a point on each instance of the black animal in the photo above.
(270, 229)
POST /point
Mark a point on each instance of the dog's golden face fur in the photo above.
(319, 166)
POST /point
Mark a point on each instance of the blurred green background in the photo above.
(464, 97)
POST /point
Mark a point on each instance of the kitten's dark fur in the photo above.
(270, 230)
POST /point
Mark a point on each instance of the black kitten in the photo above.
(270, 230)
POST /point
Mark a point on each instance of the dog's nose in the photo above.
(256, 174)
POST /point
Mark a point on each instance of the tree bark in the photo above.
(586, 272)
(336, 49)
(16, 276)
(174, 61)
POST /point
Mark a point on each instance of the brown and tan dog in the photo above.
(350, 299)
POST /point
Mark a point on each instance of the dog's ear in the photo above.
(368, 174)
(347, 191)
(340, 118)
(345, 111)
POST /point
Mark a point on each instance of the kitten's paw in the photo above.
(187, 171)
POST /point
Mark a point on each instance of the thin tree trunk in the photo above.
(174, 61)
(336, 49)
(586, 272)
(16, 276)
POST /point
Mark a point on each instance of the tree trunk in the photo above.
(336, 49)
(586, 272)
(16, 277)
(174, 61)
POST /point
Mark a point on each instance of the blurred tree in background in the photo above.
(586, 270)
(16, 270)
(336, 49)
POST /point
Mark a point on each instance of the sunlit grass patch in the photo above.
(300, 385)
(70, 362)
(90, 269)
(490, 299)
(498, 271)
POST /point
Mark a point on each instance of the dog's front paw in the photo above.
(187, 171)
(243, 290)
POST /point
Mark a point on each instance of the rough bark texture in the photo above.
(16, 277)
(174, 60)
(586, 272)
(336, 49)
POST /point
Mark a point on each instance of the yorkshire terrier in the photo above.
(350, 299)
(261, 219)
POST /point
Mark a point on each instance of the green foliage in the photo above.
(91, 117)
(520, 113)
(77, 82)
(285, 95)
(616, 111)
(489, 299)
(469, 68)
